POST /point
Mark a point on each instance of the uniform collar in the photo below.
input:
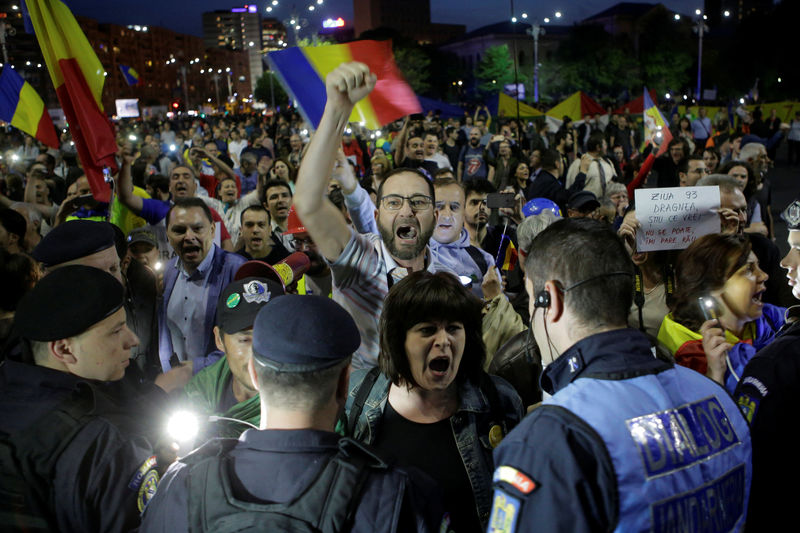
(617, 354)
(295, 440)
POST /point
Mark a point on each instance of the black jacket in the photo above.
(769, 396)
(73, 458)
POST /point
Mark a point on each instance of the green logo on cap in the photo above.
(233, 300)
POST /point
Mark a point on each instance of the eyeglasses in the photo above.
(301, 244)
(417, 202)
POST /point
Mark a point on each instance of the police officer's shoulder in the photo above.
(774, 371)
(212, 448)
(565, 431)
(546, 460)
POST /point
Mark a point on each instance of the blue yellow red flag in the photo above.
(24, 109)
(303, 70)
(655, 127)
(130, 74)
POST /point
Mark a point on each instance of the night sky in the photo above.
(185, 16)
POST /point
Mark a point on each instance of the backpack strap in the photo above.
(361, 394)
(477, 256)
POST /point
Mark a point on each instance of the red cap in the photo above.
(284, 272)
(294, 224)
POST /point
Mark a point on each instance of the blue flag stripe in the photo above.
(302, 81)
(10, 86)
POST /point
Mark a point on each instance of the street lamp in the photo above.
(536, 30)
(700, 28)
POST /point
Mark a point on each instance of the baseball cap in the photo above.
(583, 201)
(142, 235)
(241, 300)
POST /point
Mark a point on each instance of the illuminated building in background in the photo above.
(236, 29)
(273, 35)
(411, 18)
(337, 29)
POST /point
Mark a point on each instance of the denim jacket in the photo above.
(470, 424)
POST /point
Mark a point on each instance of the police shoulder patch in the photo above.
(748, 405)
(505, 512)
(136, 480)
(147, 490)
(520, 481)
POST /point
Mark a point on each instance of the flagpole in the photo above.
(502, 238)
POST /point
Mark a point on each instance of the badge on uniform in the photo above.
(147, 490)
(748, 406)
(136, 480)
(505, 511)
(505, 507)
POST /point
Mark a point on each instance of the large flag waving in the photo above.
(303, 71)
(78, 77)
(21, 107)
(655, 127)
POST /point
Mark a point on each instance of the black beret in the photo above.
(72, 240)
(296, 333)
(67, 302)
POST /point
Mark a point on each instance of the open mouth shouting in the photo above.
(407, 234)
(191, 253)
(438, 366)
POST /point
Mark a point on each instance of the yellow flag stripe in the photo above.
(60, 37)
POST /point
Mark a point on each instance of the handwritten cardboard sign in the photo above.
(672, 218)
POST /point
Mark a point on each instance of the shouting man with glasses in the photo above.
(364, 267)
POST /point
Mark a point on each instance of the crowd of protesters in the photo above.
(230, 236)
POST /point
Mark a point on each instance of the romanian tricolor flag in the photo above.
(507, 255)
(655, 127)
(21, 107)
(303, 71)
(78, 77)
(130, 74)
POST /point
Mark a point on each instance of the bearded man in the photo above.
(364, 266)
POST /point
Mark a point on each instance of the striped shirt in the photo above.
(360, 285)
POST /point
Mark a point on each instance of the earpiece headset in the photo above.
(543, 297)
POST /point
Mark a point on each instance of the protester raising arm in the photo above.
(125, 185)
(345, 86)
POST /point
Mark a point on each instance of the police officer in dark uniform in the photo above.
(93, 243)
(295, 473)
(72, 457)
(623, 441)
(769, 396)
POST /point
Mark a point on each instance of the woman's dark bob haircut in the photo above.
(424, 296)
